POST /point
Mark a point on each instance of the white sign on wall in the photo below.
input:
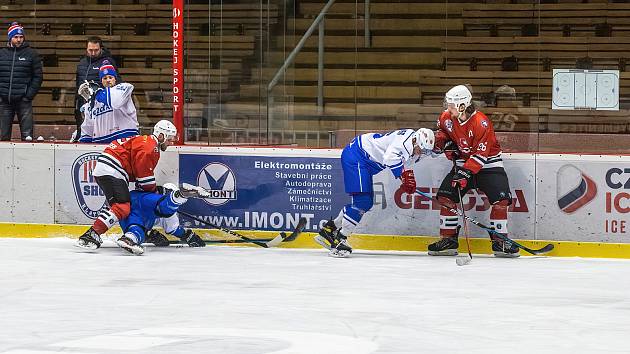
(575, 89)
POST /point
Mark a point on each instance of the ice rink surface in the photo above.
(236, 300)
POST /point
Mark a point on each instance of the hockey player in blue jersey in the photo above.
(109, 111)
(364, 157)
(150, 209)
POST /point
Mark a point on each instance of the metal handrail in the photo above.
(320, 67)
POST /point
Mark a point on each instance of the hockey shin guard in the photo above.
(449, 221)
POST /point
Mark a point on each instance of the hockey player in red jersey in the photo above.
(467, 136)
(123, 161)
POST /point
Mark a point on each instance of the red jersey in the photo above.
(475, 139)
(132, 159)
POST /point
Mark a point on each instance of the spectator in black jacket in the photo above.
(20, 79)
(88, 69)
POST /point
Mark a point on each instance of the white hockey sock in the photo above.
(132, 237)
(338, 219)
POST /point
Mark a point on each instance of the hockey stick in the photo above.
(543, 250)
(463, 260)
(266, 244)
(294, 234)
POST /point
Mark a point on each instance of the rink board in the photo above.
(581, 199)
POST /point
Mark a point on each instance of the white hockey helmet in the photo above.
(425, 138)
(460, 96)
(166, 128)
(422, 138)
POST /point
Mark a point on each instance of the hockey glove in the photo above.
(462, 178)
(192, 239)
(408, 181)
(87, 89)
(451, 151)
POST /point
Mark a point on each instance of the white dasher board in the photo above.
(585, 89)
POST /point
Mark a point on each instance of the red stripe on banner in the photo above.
(92, 165)
(178, 69)
(591, 192)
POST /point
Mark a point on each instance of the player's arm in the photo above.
(478, 157)
(87, 127)
(119, 94)
(441, 135)
(394, 158)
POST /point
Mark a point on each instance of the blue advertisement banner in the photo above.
(263, 192)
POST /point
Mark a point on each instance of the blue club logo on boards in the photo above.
(574, 188)
(89, 195)
(220, 180)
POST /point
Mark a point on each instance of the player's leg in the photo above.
(494, 183)
(165, 209)
(119, 206)
(449, 221)
(131, 240)
(172, 226)
(357, 175)
(351, 216)
(141, 218)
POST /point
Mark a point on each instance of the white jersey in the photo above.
(111, 116)
(392, 150)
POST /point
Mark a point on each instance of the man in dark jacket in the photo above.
(20, 79)
(88, 69)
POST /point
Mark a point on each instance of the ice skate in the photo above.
(192, 239)
(190, 191)
(333, 240)
(326, 237)
(157, 238)
(446, 246)
(89, 241)
(341, 248)
(502, 248)
(130, 245)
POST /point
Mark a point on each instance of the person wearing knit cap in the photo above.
(15, 30)
(21, 76)
(110, 113)
(107, 74)
(88, 70)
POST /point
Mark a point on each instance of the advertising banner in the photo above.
(78, 198)
(586, 199)
(397, 213)
(270, 193)
(264, 192)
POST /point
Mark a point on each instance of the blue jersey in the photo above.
(369, 154)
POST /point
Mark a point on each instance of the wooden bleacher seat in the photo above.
(418, 9)
(561, 52)
(551, 19)
(381, 26)
(228, 19)
(156, 18)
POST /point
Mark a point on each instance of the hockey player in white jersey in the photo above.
(109, 113)
(365, 156)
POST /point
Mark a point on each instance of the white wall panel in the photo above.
(6, 182)
(33, 183)
(74, 196)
